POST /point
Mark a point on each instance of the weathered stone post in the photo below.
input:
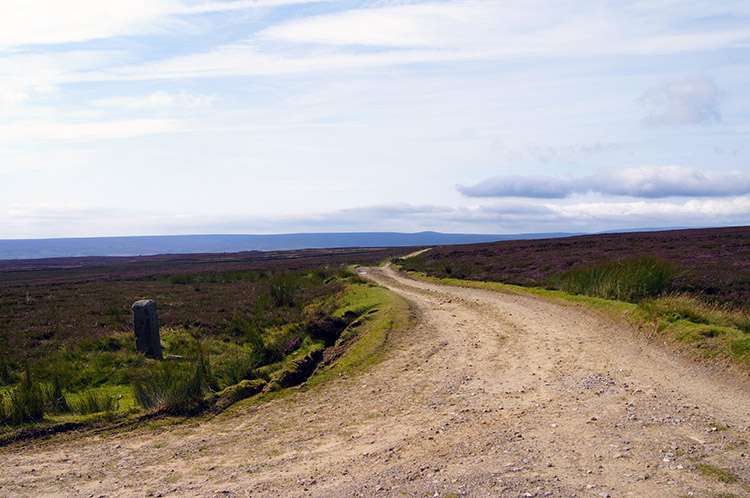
(146, 324)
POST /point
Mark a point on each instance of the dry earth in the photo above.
(491, 394)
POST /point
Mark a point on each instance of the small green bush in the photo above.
(237, 366)
(7, 374)
(327, 328)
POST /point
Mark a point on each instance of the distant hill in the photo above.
(187, 244)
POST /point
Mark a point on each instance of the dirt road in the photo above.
(491, 394)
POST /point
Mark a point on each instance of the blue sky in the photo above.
(275, 116)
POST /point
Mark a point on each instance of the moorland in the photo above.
(441, 387)
(66, 333)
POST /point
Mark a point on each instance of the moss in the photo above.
(295, 372)
(238, 392)
(266, 371)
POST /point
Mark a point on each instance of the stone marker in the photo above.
(146, 324)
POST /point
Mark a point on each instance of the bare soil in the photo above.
(491, 394)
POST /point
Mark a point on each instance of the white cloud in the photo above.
(48, 22)
(438, 32)
(43, 22)
(207, 7)
(157, 101)
(36, 76)
(647, 182)
(537, 186)
(511, 28)
(11, 96)
(422, 25)
(711, 212)
(64, 220)
(692, 100)
(426, 32)
(667, 181)
(87, 131)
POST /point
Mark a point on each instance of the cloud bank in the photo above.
(644, 182)
(510, 217)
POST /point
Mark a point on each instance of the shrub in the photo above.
(247, 329)
(237, 366)
(7, 375)
(740, 347)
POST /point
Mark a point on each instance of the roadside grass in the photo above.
(379, 312)
(702, 330)
(93, 401)
(382, 313)
(629, 280)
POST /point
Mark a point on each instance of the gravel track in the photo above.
(490, 394)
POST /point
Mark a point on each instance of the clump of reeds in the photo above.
(626, 280)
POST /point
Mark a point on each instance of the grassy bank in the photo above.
(382, 314)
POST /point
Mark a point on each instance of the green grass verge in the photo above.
(381, 313)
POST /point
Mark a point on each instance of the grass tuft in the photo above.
(92, 401)
(171, 387)
(23, 403)
(628, 280)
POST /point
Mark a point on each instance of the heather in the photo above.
(66, 326)
(711, 264)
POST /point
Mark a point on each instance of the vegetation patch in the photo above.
(627, 280)
(713, 265)
(227, 334)
(365, 341)
(238, 392)
(723, 475)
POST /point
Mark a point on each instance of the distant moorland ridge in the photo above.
(189, 244)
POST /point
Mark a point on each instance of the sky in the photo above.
(167, 117)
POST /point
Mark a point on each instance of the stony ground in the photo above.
(491, 394)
